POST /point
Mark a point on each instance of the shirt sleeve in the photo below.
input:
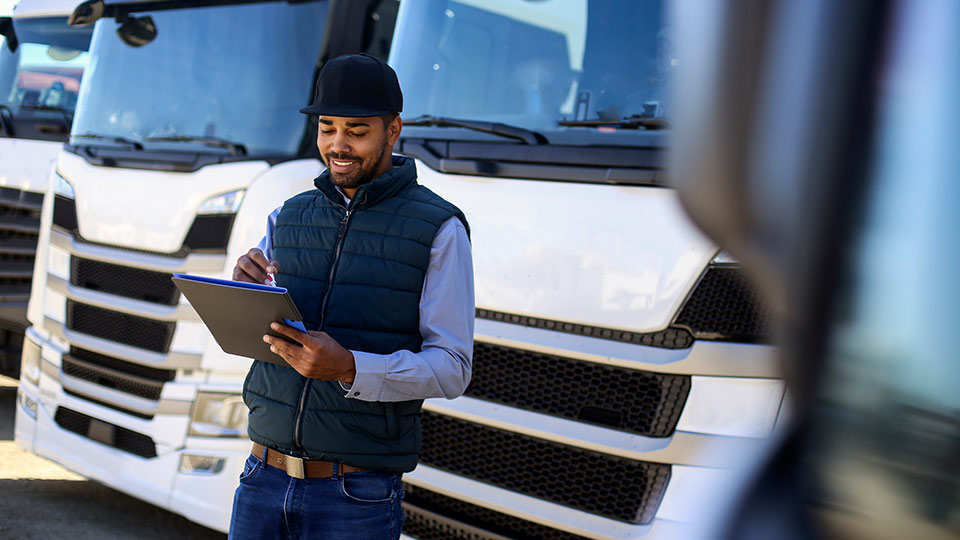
(266, 243)
(443, 366)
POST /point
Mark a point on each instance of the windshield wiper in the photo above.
(67, 113)
(504, 130)
(112, 138)
(235, 148)
(636, 121)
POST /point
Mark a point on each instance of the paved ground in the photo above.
(42, 500)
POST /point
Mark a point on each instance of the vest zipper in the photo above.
(341, 235)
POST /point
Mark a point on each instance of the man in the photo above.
(380, 268)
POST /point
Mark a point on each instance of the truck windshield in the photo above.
(235, 74)
(42, 76)
(534, 63)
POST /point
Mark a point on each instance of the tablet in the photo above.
(238, 314)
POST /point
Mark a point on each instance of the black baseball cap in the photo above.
(356, 85)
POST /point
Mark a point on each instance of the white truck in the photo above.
(621, 368)
(186, 136)
(41, 64)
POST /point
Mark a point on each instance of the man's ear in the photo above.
(393, 130)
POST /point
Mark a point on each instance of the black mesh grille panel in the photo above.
(156, 287)
(120, 327)
(671, 338)
(154, 374)
(111, 378)
(725, 306)
(65, 213)
(609, 486)
(424, 526)
(118, 437)
(635, 401)
(210, 233)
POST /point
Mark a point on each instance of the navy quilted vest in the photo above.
(356, 273)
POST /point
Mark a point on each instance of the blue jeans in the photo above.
(269, 504)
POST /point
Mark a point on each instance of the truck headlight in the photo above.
(30, 362)
(225, 203)
(218, 415)
(63, 187)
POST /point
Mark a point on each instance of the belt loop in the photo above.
(263, 459)
(335, 470)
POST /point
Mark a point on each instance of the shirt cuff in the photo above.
(368, 381)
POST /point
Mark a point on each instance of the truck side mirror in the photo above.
(6, 29)
(86, 13)
(137, 31)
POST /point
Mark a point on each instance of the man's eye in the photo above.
(359, 134)
(326, 131)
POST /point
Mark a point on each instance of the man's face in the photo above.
(356, 150)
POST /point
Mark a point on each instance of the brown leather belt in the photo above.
(299, 467)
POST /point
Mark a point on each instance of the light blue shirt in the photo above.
(443, 365)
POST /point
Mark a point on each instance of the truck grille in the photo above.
(629, 400)
(147, 372)
(609, 486)
(145, 285)
(724, 305)
(459, 520)
(120, 327)
(104, 433)
(111, 377)
(19, 230)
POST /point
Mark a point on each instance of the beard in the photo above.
(366, 170)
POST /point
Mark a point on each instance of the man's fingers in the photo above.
(290, 332)
(258, 257)
(282, 347)
(273, 267)
(251, 269)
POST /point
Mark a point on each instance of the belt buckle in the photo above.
(294, 467)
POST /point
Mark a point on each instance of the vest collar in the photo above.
(402, 175)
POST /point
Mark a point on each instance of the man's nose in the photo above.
(340, 144)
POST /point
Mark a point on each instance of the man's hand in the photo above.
(320, 357)
(253, 268)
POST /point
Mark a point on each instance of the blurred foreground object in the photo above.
(815, 143)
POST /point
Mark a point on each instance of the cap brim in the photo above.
(343, 110)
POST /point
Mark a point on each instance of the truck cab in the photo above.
(186, 135)
(623, 367)
(42, 60)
